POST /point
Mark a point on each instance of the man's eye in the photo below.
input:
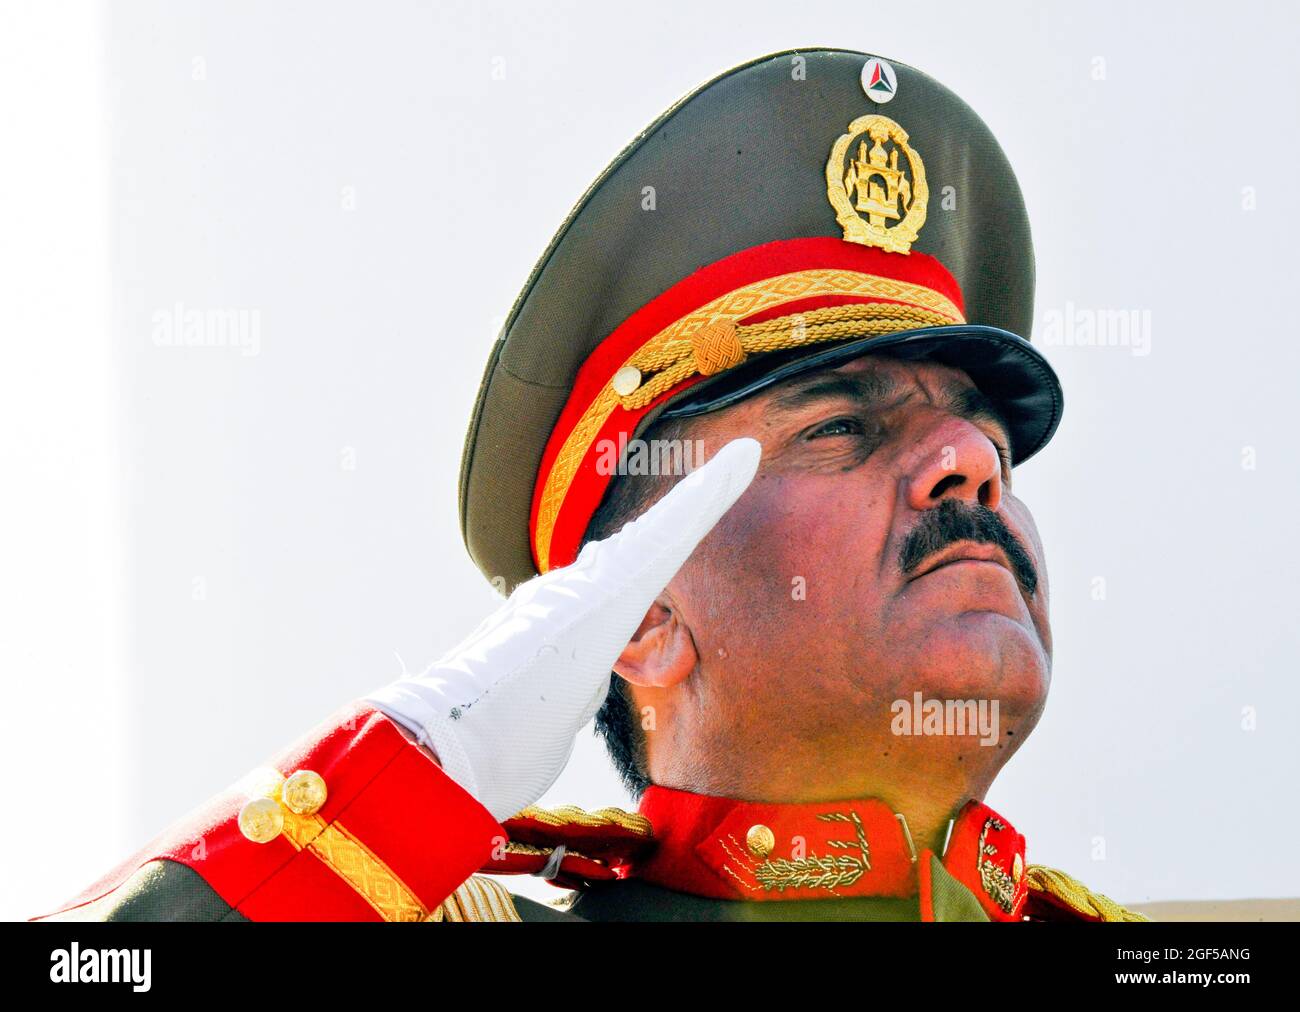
(1005, 456)
(837, 427)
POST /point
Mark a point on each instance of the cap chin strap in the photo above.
(723, 345)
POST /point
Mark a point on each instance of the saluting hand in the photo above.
(502, 710)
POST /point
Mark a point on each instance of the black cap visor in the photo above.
(1006, 368)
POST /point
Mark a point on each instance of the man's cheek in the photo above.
(1021, 522)
(758, 520)
(1042, 614)
(756, 550)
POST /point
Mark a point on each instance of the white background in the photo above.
(191, 575)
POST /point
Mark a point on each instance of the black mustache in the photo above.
(952, 521)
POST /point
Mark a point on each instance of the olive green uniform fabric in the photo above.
(158, 891)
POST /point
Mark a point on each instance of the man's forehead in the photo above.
(872, 377)
(879, 381)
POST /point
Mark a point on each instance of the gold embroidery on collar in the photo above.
(997, 883)
(812, 872)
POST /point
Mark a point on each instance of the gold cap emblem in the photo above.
(879, 199)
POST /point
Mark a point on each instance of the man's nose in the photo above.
(957, 461)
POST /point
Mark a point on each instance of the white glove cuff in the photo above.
(402, 702)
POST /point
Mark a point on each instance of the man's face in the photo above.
(857, 569)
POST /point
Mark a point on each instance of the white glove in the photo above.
(502, 710)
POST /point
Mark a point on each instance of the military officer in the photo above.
(814, 277)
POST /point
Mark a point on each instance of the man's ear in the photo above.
(662, 652)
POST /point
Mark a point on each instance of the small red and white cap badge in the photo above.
(879, 80)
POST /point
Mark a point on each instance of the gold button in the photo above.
(304, 792)
(626, 380)
(760, 840)
(261, 820)
(1017, 869)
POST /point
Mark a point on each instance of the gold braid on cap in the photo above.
(723, 345)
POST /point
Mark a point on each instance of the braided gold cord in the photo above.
(527, 849)
(851, 313)
(725, 346)
(478, 898)
(1076, 895)
(572, 815)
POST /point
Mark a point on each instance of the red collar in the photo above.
(749, 850)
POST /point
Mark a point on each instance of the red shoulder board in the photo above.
(1055, 896)
(570, 847)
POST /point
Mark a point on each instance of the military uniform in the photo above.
(796, 212)
(355, 823)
